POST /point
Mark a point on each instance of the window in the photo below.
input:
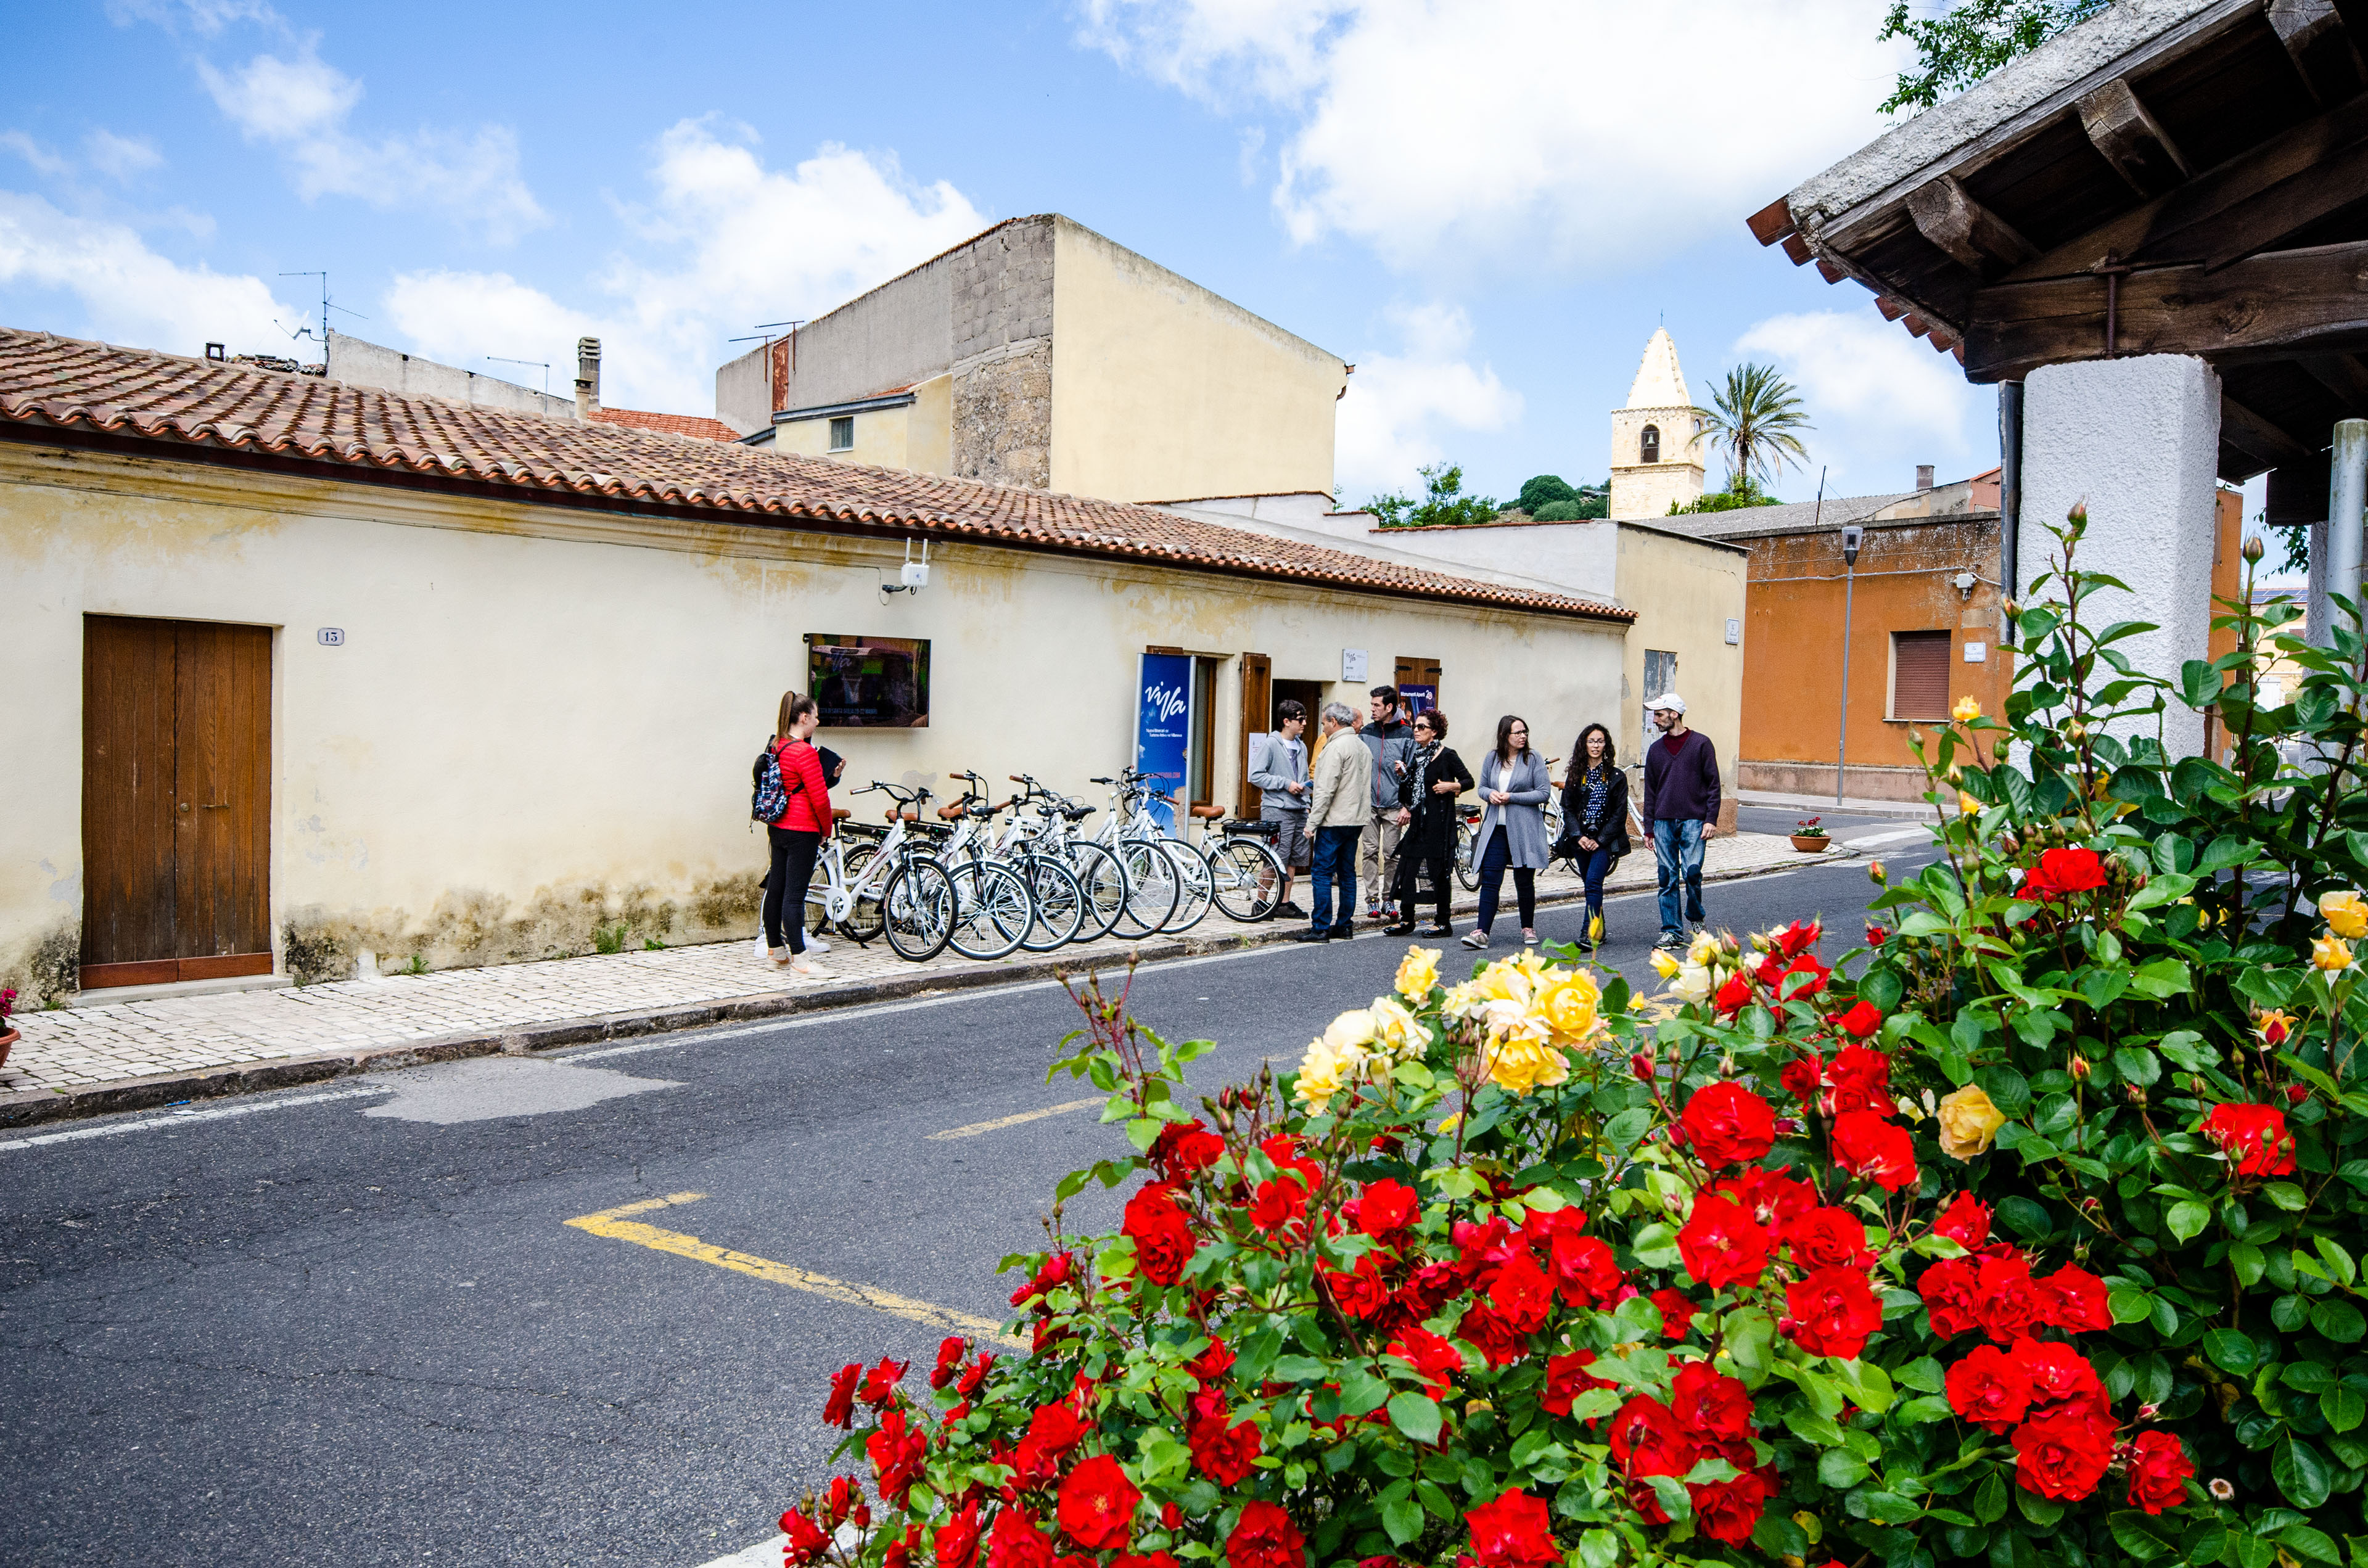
(1649, 447)
(842, 433)
(1919, 675)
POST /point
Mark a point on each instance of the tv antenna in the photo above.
(323, 336)
(761, 333)
(544, 363)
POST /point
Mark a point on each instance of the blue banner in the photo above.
(1163, 727)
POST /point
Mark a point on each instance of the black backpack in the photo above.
(771, 796)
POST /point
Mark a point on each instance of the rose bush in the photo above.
(2033, 1242)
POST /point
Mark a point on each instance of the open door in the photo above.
(1257, 716)
(1418, 683)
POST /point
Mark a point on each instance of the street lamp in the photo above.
(1853, 536)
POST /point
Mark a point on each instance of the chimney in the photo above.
(1923, 471)
(587, 380)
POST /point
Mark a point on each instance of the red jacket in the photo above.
(809, 808)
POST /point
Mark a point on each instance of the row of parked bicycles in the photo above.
(990, 878)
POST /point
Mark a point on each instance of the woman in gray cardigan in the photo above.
(1514, 786)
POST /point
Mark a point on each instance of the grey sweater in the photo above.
(1275, 765)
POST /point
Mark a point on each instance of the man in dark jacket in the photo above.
(1391, 741)
(1435, 776)
(1680, 805)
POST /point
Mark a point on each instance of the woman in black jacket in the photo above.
(1595, 813)
(1434, 776)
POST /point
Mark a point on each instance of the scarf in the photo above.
(1599, 784)
(1423, 757)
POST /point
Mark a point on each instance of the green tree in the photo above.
(1966, 42)
(1754, 420)
(1544, 490)
(1443, 502)
(1739, 492)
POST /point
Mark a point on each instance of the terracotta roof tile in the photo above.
(67, 383)
(697, 425)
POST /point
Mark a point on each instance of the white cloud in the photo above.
(43, 160)
(205, 17)
(1593, 134)
(1881, 401)
(1397, 403)
(129, 293)
(301, 105)
(742, 244)
(120, 157)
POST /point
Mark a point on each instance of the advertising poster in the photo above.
(1163, 726)
(1417, 699)
(868, 682)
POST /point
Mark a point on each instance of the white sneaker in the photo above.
(1529, 937)
(804, 968)
(764, 951)
(816, 945)
(1476, 938)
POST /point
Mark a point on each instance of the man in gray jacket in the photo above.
(1391, 741)
(1277, 766)
(1340, 799)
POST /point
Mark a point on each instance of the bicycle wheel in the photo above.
(1103, 878)
(1249, 876)
(1060, 903)
(991, 910)
(1151, 889)
(864, 920)
(1195, 888)
(918, 909)
(1467, 852)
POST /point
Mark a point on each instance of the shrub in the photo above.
(2036, 1242)
(1557, 512)
(1545, 490)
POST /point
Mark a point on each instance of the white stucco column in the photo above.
(2138, 440)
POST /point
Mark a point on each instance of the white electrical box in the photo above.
(1734, 632)
(1978, 653)
(1352, 663)
(917, 574)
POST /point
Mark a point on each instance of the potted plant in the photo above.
(8, 1031)
(1810, 839)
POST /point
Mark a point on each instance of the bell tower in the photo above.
(1657, 439)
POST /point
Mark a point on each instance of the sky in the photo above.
(1487, 205)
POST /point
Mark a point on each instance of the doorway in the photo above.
(175, 801)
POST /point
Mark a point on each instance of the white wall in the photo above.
(363, 364)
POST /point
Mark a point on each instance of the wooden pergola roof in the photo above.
(2173, 176)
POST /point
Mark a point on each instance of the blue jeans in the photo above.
(1594, 865)
(1336, 869)
(1677, 856)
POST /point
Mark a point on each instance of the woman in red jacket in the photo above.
(796, 837)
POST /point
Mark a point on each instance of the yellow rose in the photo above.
(1966, 710)
(1967, 806)
(1568, 1008)
(1703, 949)
(1396, 1029)
(2346, 915)
(2330, 953)
(1521, 1063)
(1968, 1122)
(2274, 1029)
(1418, 973)
(1348, 1037)
(1665, 963)
(1320, 1073)
(1692, 983)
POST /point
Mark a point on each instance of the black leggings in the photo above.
(1494, 859)
(1438, 862)
(785, 886)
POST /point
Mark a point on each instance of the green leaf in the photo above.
(1840, 1470)
(2162, 978)
(2130, 1531)
(2304, 1542)
(2336, 1259)
(1990, 1503)
(2230, 1351)
(2339, 1321)
(1629, 1126)
(2300, 1473)
(2138, 1065)
(2285, 1194)
(1868, 1384)
(1598, 1549)
(2129, 1306)
(2249, 1263)
(2037, 1509)
(1656, 1246)
(2188, 1218)
(1296, 1370)
(2007, 1088)
(2026, 1217)
(1924, 1374)
(2163, 887)
(1416, 1415)
(1402, 1517)
(2344, 1406)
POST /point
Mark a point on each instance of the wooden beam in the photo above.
(1917, 325)
(2342, 375)
(2286, 299)
(2131, 139)
(1969, 232)
(2246, 204)
(1831, 273)
(2320, 46)
(1892, 309)
(1798, 249)
(2248, 432)
(1771, 222)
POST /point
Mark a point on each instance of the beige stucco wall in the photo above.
(1162, 389)
(914, 437)
(543, 719)
(1644, 490)
(1683, 592)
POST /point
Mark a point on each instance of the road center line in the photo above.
(614, 1224)
(975, 1128)
(182, 1117)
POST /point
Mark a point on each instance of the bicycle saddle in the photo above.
(951, 813)
(1078, 814)
(1207, 813)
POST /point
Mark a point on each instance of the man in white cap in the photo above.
(1681, 803)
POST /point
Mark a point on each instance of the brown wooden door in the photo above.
(177, 801)
(1258, 715)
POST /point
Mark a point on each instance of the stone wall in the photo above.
(1002, 331)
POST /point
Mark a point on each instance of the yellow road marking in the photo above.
(614, 1223)
(975, 1128)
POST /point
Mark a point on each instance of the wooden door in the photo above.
(1257, 716)
(177, 801)
(1420, 674)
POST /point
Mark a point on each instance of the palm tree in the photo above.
(1754, 421)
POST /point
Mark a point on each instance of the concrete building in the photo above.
(1040, 353)
(1655, 437)
(307, 671)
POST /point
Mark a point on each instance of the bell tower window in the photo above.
(1649, 445)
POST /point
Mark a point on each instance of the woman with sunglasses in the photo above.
(1434, 776)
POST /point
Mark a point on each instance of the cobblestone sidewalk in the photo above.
(520, 1007)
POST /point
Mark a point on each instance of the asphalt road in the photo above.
(351, 1325)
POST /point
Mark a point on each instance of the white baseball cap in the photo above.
(1670, 700)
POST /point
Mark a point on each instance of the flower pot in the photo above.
(7, 1039)
(1811, 843)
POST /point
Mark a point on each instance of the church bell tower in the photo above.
(1657, 439)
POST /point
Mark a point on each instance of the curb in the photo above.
(30, 1107)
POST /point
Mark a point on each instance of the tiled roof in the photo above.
(128, 392)
(697, 425)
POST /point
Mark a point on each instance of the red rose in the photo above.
(1566, 1380)
(1484, 1246)
(1989, 1389)
(1772, 1200)
(2071, 870)
(1359, 1292)
(807, 1541)
(1514, 1531)
(1729, 1510)
(880, 1383)
(2062, 1381)
(2007, 1301)
(1867, 1143)
(1949, 1288)
(1521, 1294)
(2077, 1301)
(1831, 1312)
(1967, 1222)
(1278, 1202)
(1053, 1431)
(1283, 1149)
(838, 1410)
(1163, 1236)
(957, 1538)
(2159, 1472)
(1265, 1537)
(1055, 1271)
(1731, 996)
(896, 1454)
(1875, 934)
(1224, 1453)
(973, 1376)
(1862, 1080)
(2062, 1457)
(1647, 1440)
(1585, 1271)
(1828, 1238)
(1211, 1365)
(1802, 1077)
(1676, 1314)
(1385, 1208)
(1710, 1407)
(1016, 1542)
(1725, 1124)
(1723, 1245)
(2254, 1137)
(1499, 1341)
(1185, 1149)
(1098, 1503)
(1798, 938)
(1797, 981)
(949, 1355)
(1860, 1021)
(1432, 1358)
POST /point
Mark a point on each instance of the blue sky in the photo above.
(1487, 207)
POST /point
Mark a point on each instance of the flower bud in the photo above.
(2221, 1489)
(2080, 1069)
(1876, 874)
(2253, 551)
(1642, 1065)
(2138, 1096)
